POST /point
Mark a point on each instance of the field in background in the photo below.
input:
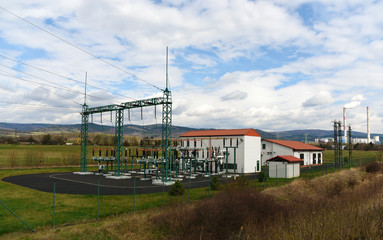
(35, 155)
(344, 205)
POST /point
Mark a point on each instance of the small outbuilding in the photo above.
(311, 155)
(284, 167)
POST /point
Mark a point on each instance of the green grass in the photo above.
(37, 156)
(35, 207)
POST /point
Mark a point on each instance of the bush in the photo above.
(372, 167)
(177, 189)
(242, 181)
(46, 139)
(261, 176)
(214, 183)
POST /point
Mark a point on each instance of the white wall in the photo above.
(252, 154)
(273, 150)
(247, 153)
(308, 156)
(283, 169)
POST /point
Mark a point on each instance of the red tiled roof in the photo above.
(286, 158)
(295, 145)
(221, 133)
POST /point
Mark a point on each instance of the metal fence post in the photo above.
(255, 177)
(54, 200)
(134, 193)
(98, 199)
(163, 193)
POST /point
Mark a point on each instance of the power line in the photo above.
(81, 49)
(60, 88)
(67, 78)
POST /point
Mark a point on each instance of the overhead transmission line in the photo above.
(36, 106)
(44, 85)
(59, 85)
(81, 49)
(67, 78)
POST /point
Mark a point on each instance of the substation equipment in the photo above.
(116, 157)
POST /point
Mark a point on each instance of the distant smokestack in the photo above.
(344, 125)
(368, 125)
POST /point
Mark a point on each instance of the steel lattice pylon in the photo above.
(118, 139)
(167, 132)
(84, 138)
(165, 101)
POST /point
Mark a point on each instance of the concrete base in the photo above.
(83, 173)
(118, 177)
(190, 177)
(227, 176)
(126, 174)
(98, 174)
(133, 171)
(145, 179)
(206, 175)
(160, 183)
(179, 179)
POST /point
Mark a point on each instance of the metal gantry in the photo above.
(165, 101)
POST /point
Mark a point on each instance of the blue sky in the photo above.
(274, 65)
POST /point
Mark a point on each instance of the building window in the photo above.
(187, 143)
(314, 158)
(302, 156)
(263, 146)
(319, 158)
(231, 142)
(224, 140)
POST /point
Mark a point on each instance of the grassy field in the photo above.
(37, 156)
(345, 205)
(35, 207)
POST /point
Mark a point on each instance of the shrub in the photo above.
(46, 139)
(177, 189)
(214, 183)
(243, 181)
(261, 176)
(372, 167)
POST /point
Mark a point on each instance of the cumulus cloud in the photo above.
(282, 65)
(235, 95)
(323, 98)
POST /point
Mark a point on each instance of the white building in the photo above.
(308, 153)
(284, 167)
(243, 146)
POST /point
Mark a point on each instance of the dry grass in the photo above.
(343, 205)
(124, 227)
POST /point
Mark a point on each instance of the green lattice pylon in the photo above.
(118, 140)
(167, 132)
(84, 138)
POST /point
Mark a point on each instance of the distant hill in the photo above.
(155, 130)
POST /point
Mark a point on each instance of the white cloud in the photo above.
(253, 63)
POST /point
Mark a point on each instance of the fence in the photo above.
(40, 209)
(278, 173)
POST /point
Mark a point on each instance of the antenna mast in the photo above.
(167, 79)
(86, 78)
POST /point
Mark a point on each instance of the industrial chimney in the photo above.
(368, 125)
